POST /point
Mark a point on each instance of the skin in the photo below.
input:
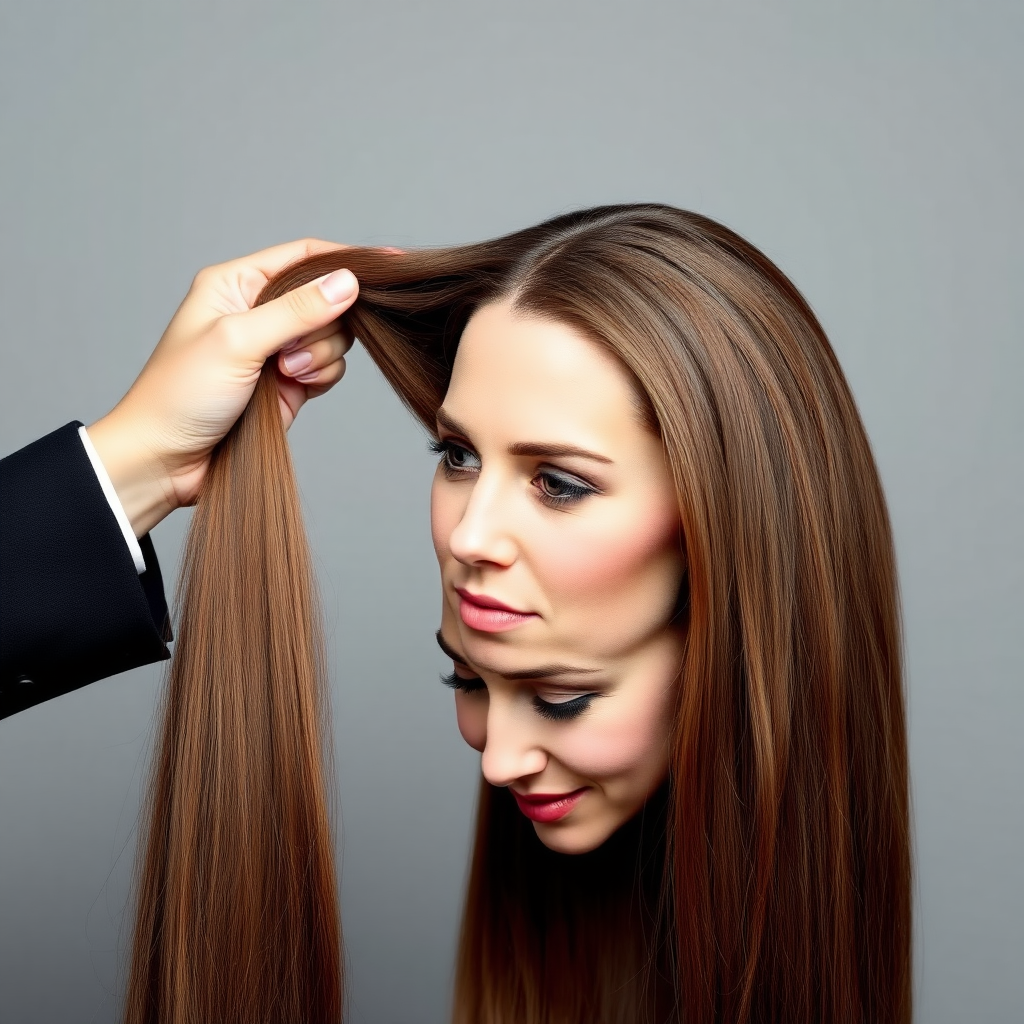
(599, 572)
(157, 441)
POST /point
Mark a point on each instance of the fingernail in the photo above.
(294, 343)
(337, 287)
(297, 361)
(306, 378)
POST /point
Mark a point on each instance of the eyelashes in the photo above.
(453, 457)
(556, 487)
(563, 711)
(457, 682)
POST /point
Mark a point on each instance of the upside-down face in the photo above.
(556, 527)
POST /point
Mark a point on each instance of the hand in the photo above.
(156, 443)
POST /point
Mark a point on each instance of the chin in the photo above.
(573, 839)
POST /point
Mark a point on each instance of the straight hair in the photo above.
(236, 917)
(769, 881)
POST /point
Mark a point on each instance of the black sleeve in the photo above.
(73, 609)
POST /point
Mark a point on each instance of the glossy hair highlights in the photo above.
(769, 881)
(237, 919)
(785, 887)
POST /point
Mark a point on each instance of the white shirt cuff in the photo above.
(112, 500)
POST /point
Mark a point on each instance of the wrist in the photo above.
(143, 488)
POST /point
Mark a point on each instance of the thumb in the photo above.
(269, 327)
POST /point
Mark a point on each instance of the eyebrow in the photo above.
(543, 672)
(535, 449)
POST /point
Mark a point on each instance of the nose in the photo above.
(483, 534)
(510, 751)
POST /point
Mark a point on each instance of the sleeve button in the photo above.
(25, 681)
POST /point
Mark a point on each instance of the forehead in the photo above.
(531, 377)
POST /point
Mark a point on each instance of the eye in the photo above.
(456, 459)
(563, 711)
(457, 682)
(560, 489)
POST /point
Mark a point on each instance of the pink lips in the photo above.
(547, 807)
(488, 615)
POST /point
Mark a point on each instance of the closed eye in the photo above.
(457, 682)
(564, 711)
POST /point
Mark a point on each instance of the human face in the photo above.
(556, 527)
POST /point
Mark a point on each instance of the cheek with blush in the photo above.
(622, 747)
(616, 575)
(471, 715)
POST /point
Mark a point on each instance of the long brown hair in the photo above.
(237, 919)
(770, 880)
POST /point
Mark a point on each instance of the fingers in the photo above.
(237, 283)
(318, 381)
(316, 360)
(334, 327)
(260, 332)
(273, 260)
(317, 374)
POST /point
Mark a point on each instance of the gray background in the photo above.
(875, 153)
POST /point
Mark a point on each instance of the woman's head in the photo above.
(631, 331)
(765, 598)
(553, 499)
